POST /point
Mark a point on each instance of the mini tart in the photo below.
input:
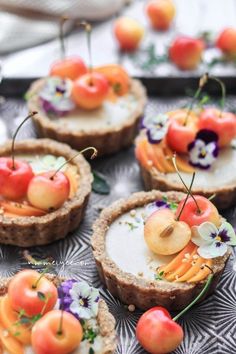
(129, 287)
(41, 230)
(225, 193)
(105, 319)
(106, 138)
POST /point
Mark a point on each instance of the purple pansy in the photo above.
(213, 242)
(78, 298)
(156, 127)
(55, 96)
(204, 150)
(157, 205)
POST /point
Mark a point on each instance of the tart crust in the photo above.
(41, 230)
(131, 289)
(106, 140)
(105, 319)
(225, 196)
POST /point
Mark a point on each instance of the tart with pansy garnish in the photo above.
(158, 248)
(100, 106)
(44, 190)
(201, 139)
(42, 314)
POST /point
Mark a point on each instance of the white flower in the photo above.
(84, 300)
(213, 242)
(157, 127)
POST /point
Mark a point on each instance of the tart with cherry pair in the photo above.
(157, 249)
(44, 190)
(43, 314)
(101, 107)
(202, 140)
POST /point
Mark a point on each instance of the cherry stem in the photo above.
(59, 332)
(14, 137)
(223, 92)
(212, 197)
(61, 36)
(203, 80)
(203, 292)
(94, 154)
(186, 187)
(34, 286)
(187, 196)
(88, 28)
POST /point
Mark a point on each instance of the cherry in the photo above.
(158, 333)
(15, 175)
(67, 68)
(47, 339)
(90, 90)
(48, 191)
(24, 290)
(186, 52)
(198, 210)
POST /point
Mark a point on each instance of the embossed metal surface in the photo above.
(209, 327)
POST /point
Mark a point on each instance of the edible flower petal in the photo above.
(47, 163)
(56, 96)
(204, 150)
(156, 126)
(213, 241)
(78, 298)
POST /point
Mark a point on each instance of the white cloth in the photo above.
(25, 23)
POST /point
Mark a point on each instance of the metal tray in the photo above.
(209, 327)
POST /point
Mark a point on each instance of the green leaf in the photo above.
(91, 351)
(100, 185)
(159, 276)
(24, 320)
(36, 318)
(41, 296)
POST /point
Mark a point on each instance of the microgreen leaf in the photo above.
(41, 296)
(24, 320)
(100, 185)
(159, 276)
(91, 351)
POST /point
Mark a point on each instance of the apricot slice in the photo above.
(9, 343)
(183, 267)
(192, 271)
(202, 274)
(164, 235)
(164, 160)
(142, 154)
(176, 262)
(10, 320)
(182, 165)
(156, 157)
(21, 209)
(73, 178)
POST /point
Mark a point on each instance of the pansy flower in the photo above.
(156, 127)
(204, 150)
(78, 298)
(56, 96)
(154, 206)
(212, 241)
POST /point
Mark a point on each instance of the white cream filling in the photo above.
(222, 172)
(110, 114)
(126, 246)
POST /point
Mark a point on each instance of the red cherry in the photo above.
(14, 181)
(193, 216)
(182, 130)
(223, 124)
(157, 332)
(69, 68)
(48, 190)
(24, 289)
(90, 90)
(226, 41)
(186, 52)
